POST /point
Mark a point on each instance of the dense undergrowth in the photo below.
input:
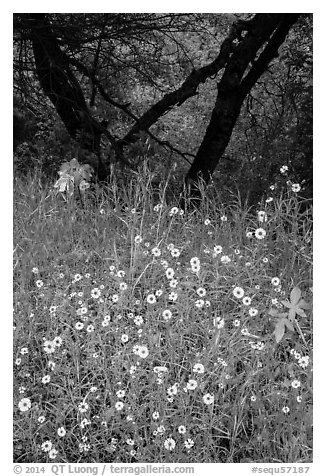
(146, 332)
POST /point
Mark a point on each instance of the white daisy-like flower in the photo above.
(303, 361)
(201, 292)
(138, 320)
(175, 253)
(119, 406)
(173, 283)
(143, 351)
(46, 446)
(246, 301)
(238, 292)
(51, 364)
(296, 187)
(169, 444)
(160, 369)
(120, 393)
(194, 261)
(218, 322)
(217, 250)
(225, 259)
(167, 314)
(95, 293)
(173, 296)
(49, 346)
(24, 405)
(275, 281)
(174, 211)
(260, 233)
(189, 443)
(85, 422)
(151, 299)
(253, 312)
(262, 216)
(135, 349)
(173, 390)
(191, 384)
(156, 251)
(195, 269)
(83, 407)
(200, 303)
(81, 311)
(208, 399)
(198, 368)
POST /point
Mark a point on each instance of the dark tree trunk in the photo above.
(188, 88)
(19, 129)
(62, 88)
(247, 63)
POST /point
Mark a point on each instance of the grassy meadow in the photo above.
(147, 332)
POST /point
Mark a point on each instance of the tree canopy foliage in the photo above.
(213, 95)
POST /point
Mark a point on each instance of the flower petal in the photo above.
(295, 295)
(279, 330)
(303, 304)
(300, 312)
(287, 304)
(289, 324)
